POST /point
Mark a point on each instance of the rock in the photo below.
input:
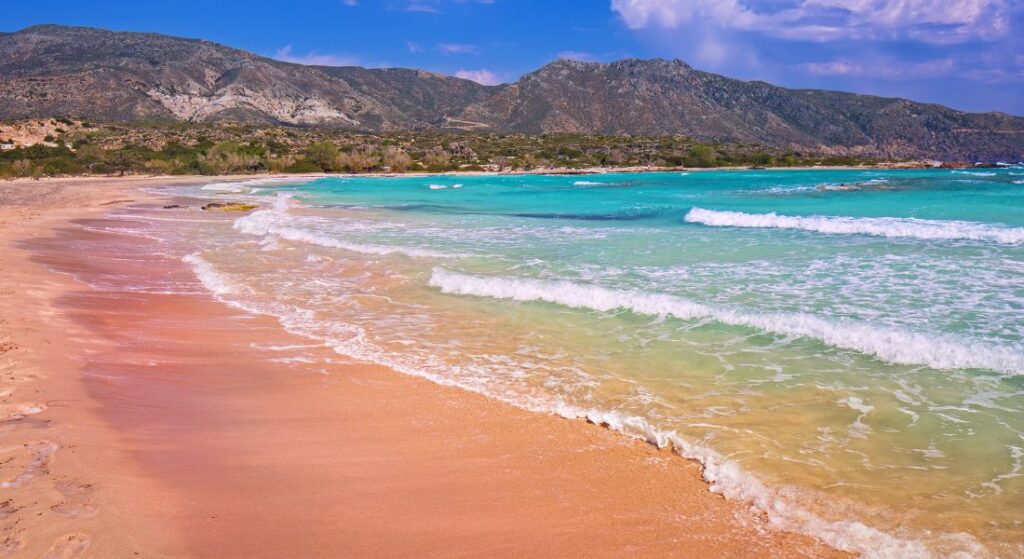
(230, 206)
(239, 207)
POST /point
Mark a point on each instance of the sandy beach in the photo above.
(145, 424)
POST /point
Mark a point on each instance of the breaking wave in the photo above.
(892, 227)
(724, 476)
(894, 345)
(278, 222)
(245, 185)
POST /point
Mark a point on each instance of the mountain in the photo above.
(668, 97)
(51, 70)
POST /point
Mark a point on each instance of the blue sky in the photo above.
(968, 54)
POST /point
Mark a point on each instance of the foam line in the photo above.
(894, 345)
(892, 227)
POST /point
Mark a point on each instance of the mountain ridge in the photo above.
(52, 70)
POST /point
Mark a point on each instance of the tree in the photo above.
(701, 155)
(615, 157)
(761, 158)
(22, 167)
(396, 159)
(357, 161)
(229, 157)
(437, 159)
(323, 154)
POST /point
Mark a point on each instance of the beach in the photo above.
(155, 422)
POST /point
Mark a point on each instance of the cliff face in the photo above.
(67, 71)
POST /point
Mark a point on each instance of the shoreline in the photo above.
(172, 179)
(335, 454)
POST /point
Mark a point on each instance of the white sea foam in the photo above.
(224, 187)
(278, 222)
(245, 185)
(895, 345)
(781, 190)
(975, 173)
(268, 222)
(587, 183)
(724, 476)
(728, 479)
(444, 186)
(892, 227)
(213, 281)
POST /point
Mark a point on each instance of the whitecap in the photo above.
(891, 344)
(891, 227)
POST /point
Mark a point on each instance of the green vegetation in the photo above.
(212, 149)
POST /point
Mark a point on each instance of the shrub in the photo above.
(701, 155)
(324, 155)
(22, 168)
(358, 161)
(396, 159)
(303, 166)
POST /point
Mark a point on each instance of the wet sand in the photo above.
(165, 425)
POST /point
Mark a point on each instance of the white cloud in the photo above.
(885, 68)
(577, 55)
(420, 7)
(313, 58)
(931, 21)
(434, 6)
(712, 51)
(413, 47)
(483, 77)
(457, 48)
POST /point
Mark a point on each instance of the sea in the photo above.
(841, 349)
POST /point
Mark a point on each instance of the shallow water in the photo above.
(844, 349)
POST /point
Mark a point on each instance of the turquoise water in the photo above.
(843, 349)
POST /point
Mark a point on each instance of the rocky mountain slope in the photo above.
(53, 70)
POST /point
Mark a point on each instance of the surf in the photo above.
(890, 344)
(889, 227)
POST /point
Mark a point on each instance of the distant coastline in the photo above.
(75, 147)
(909, 165)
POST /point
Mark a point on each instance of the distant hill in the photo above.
(51, 70)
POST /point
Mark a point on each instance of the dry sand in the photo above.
(153, 425)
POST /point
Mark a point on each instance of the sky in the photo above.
(968, 54)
